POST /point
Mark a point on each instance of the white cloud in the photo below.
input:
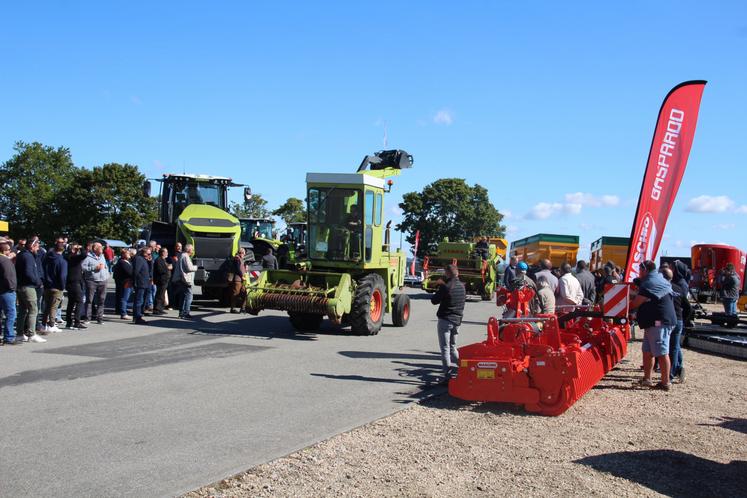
(544, 210)
(395, 210)
(573, 204)
(512, 229)
(443, 117)
(591, 200)
(710, 204)
(507, 214)
(724, 226)
(742, 209)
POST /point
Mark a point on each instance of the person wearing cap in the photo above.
(450, 297)
(520, 280)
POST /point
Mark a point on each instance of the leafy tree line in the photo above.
(43, 192)
(291, 211)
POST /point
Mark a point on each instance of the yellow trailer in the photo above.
(558, 249)
(605, 249)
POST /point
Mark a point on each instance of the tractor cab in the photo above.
(180, 191)
(256, 228)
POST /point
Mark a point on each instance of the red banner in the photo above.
(415, 253)
(670, 147)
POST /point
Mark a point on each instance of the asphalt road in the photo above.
(158, 410)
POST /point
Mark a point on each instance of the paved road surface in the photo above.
(159, 410)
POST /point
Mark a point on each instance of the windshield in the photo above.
(335, 223)
(199, 193)
(255, 229)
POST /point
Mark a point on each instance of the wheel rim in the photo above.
(377, 301)
(406, 312)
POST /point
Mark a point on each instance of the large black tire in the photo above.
(401, 310)
(305, 322)
(367, 313)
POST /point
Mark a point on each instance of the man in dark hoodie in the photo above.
(75, 287)
(55, 279)
(28, 281)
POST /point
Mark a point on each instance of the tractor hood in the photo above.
(206, 218)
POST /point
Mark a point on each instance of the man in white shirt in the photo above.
(569, 288)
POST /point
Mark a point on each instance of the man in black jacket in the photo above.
(28, 281)
(449, 297)
(55, 278)
(142, 283)
(681, 311)
(161, 277)
(75, 287)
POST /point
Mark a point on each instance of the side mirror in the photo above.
(247, 194)
(146, 188)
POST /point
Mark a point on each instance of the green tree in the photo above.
(292, 211)
(107, 202)
(449, 208)
(256, 207)
(31, 186)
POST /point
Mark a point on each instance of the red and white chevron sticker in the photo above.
(616, 300)
(255, 274)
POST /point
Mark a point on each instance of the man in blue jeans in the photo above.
(8, 284)
(656, 316)
(449, 297)
(141, 282)
(681, 310)
(730, 289)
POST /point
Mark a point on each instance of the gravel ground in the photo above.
(617, 440)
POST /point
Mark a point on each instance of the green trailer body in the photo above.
(476, 272)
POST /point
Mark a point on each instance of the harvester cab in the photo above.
(351, 274)
(194, 210)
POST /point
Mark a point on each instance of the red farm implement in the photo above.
(544, 362)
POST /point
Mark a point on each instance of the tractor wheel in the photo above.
(305, 322)
(367, 312)
(401, 312)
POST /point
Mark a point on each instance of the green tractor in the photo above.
(194, 210)
(352, 275)
(477, 267)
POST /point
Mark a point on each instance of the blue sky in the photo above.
(549, 105)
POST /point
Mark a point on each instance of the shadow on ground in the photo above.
(731, 423)
(673, 473)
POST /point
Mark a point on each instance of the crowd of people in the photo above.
(148, 280)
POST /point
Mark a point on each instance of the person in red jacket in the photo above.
(109, 256)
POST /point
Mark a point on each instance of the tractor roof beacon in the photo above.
(351, 273)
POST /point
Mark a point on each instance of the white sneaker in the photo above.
(55, 329)
(37, 338)
(22, 338)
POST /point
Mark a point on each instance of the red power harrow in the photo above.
(544, 362)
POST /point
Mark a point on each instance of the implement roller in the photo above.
(545, 362)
